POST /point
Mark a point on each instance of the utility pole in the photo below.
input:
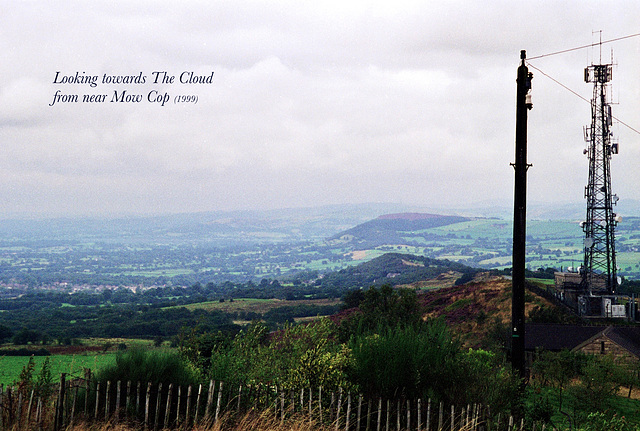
(523, 104)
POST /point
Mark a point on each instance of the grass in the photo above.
(74, 365)
(252, 304)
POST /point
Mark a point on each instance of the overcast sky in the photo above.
(311, 103)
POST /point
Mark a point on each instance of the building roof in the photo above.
(555, 337)
(625, 336)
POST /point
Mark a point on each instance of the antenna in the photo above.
(599, 269)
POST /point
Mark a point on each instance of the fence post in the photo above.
(146, 406)
(320, 401)
(118, 388)
(138, 390)
(95, 415)
(59, 420)
(346, 427)
(156, 420)
(212, 387)
(195, 421)
(219, 402)
(338, 410)
(167, 411)
(30, 406)
(408, 415)
(359, 411)
(107, 401)
(281, 407)
(87, 376)
(128, 398)
(310, 405)
(73, 405)
(39, 413)
(178, 406)
(19, 413)
(388, 415)
(188, 412)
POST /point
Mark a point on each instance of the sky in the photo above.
(309, 104)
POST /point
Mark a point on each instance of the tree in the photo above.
(5, 333)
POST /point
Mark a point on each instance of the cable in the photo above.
(584, 46)
(581, 97)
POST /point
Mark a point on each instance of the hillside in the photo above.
(395, 269)
(476, 309)
(391, 228)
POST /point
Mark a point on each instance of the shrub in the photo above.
(138, 364)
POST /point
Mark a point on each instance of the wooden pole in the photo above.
(30, 406)
(138, 391)
(87, 376)
(320, 401)
(167, 410)
(118, 387)
(178, 406)
(212, 387)
(147, 406)
(219, 402)
(95, 416)
(408, 415)
(107, 401)
(338, 409)
(187, 414)
(156, 419)
(195, 421)
(453, 417)
(127, 402)
(59, 417)
(346, 427)
(388, 414)
(359, 412)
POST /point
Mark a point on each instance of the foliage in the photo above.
(139, 364)
(299, 356)
(600, 421)
(382, 307)
(427, 361)
(40, 383)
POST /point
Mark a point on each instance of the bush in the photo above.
(142, 365)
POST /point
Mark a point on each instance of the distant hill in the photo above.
(395, 269)
(389, 228)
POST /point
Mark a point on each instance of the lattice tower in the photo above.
(599, 268)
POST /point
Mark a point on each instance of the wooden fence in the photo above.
(168, 406)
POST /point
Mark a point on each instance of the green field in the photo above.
(73, 365)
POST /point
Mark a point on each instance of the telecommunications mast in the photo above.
(599, 268)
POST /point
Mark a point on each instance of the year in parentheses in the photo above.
(185, 99)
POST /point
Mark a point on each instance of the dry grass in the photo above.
(251, 421)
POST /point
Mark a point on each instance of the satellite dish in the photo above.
(588, 242)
